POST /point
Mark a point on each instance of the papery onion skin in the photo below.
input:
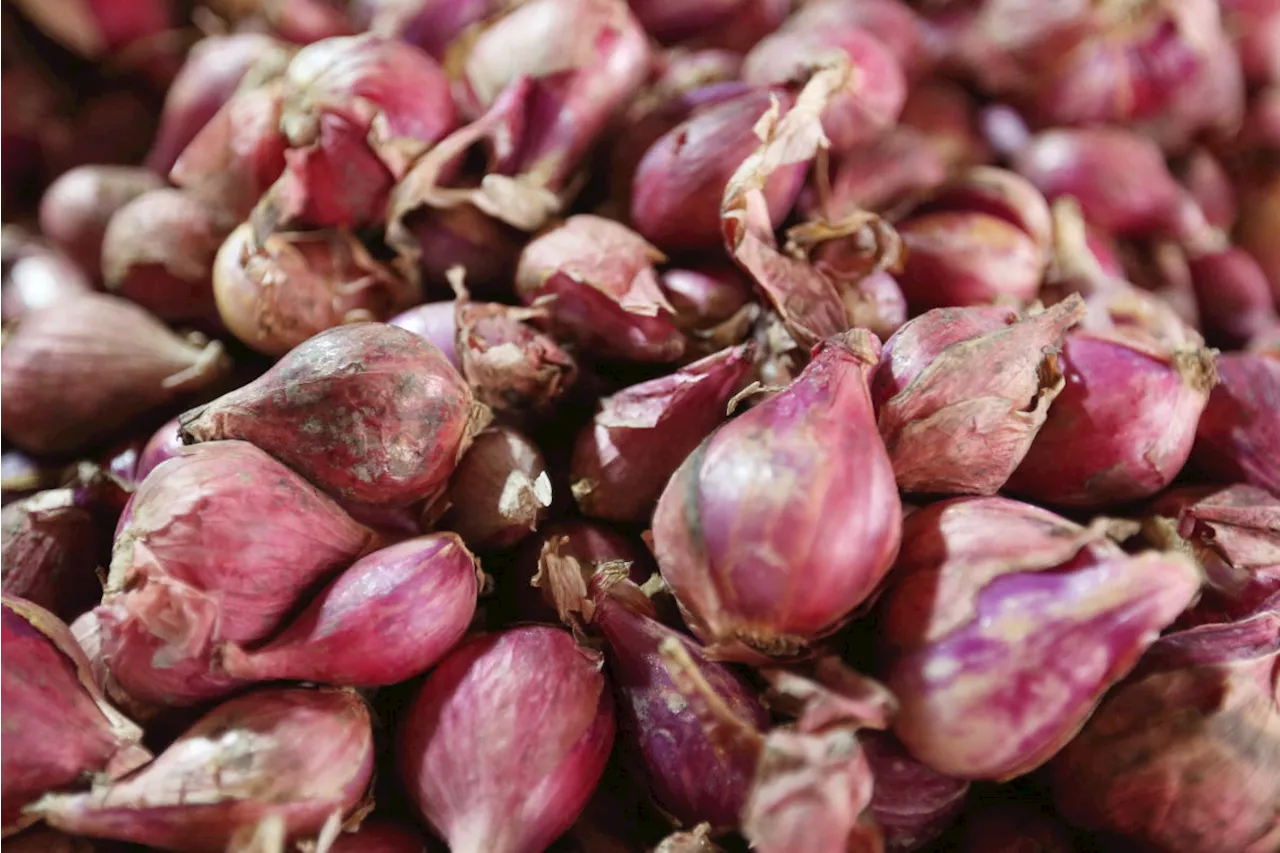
(388, 617)
(76, 208)
(301, 755)
(276, 294)
(993, 602)
(691, 776)
(385, 415)
(678, 184)
(499, 492)
(58, 728)
(913, 803)
(756, 571)
(171, 598)
(76, 372)
(1102, 446)
(158, 251)
(213, 70)
(54, 542)
(984, 378)
(640, 435)
(1239, 429)
(511, 365)
(608, 299)
(1183, 755)
(518, 792)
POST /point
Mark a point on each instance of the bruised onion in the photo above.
(158, 250)
(76, 372)
(304, 757)
(961, 393)
(171, 597)
(509, 364)
(913, 803)
(640, 435)
(1183, 755)
(59, 730)
(368, 412)
(1233, 532)
(786, 518)
(54, 542)
(678, 184)
(1102, 445)
(1239, 429)
(873, 95)
(385, 619)
(36, 275)
(278, 293)
(76, 208)
(1003, 624)
(214, 68)
(607, 296)
(238, 153)
(499, 492)
(356, 111)
(518, 792)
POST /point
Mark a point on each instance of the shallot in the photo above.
(76, 208)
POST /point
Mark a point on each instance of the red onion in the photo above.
(437, 241)
(387, 618)
(163, 445)
(640, 435)
(587, 543)
(96, 28)
(999, 193)
(607, 297)
(1240, 428)
(872, 96)
(885, 174)
(356, 112)
(1183, 756)
(763, 565)
(431, 25)
(305, 21)
(238, 153)
(499, 492)
(214, 68)
(912, 803)
(383, 418)
(1118, 177)
(541, 83)
(1100, 444)
(76, 372)
(518, 792)
(967, 258)
(381, 836)
(1010, 826)
(158, 250)
(678, 185)
(218, 544)
(1234, 534)
(36, 276)
(1232, 295)
(712, 303)
(76, 208)
(893, 22)
(54, 542)
(692, 777)
(278, 293)
(303, 757)
(1255, 27)
(948, 117)
(962, 392)
(1259, 218)
(1207, 181)
(435, 322)
(509, 364)
(678, 20)
(1003, 624)
(752, 21)
(58, 728)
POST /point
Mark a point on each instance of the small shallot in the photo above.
(506, 740)
(786, 518)
(510, 364)
(623, 458)
(76, 372)
(368, 412)
(303, 757)
(1237, 435)
(36, 275)
(387, 618)
(76, 208)
(913, 803)
(499, 492)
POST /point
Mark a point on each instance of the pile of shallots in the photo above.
(612, 426)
